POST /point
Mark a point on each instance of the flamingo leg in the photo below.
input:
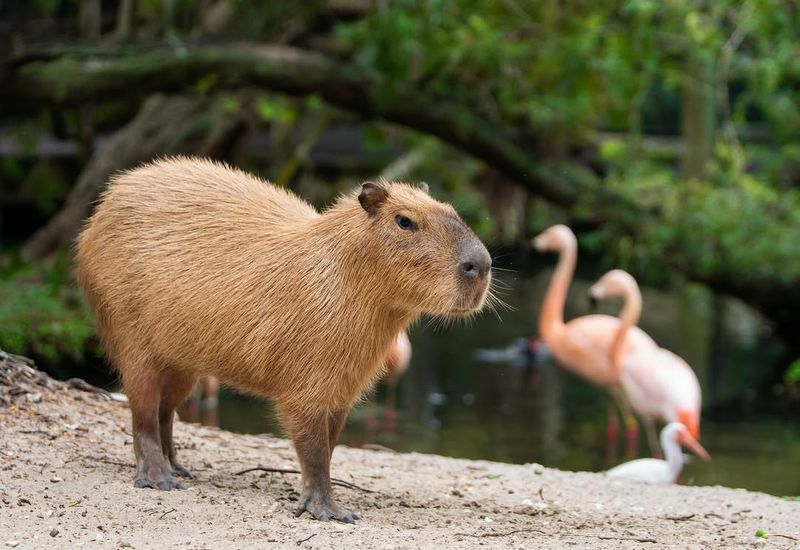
(389, 411)
(652, 438)
(631, 426)
(612, 431)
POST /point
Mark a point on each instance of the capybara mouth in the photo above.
(473, 302)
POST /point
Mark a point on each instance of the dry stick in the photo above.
(334, 481)
(482, 535)
(784, 536)
(301, 541)
(110, 461)
(607, 537)
(167, 512)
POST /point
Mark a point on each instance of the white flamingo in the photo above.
(654, 470)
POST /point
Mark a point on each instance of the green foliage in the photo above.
(567, 69)
(731, 222)
(792, 375)
(276, 109)
(41, 314)
(549, 65)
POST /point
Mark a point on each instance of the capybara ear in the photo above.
(372, 196)
(422, 186)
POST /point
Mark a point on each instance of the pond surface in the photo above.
(452, 403)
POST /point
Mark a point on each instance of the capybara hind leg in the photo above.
(175, 387)
(310, 433)
(143, 386)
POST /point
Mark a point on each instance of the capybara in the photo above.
(197, 269)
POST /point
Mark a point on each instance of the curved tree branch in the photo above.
(78, 76)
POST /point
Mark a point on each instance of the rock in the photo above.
(53, 532)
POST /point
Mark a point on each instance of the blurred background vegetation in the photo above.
(667, 133)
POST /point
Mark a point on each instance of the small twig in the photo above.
(607, 537)
(334, 481)
(109, 461)
(483, 535)
(782, 536)
(167, 512)
(39, 432)
(301, 541)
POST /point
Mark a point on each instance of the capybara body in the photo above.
(194, 269)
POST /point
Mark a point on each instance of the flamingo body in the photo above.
(397, 359)
(661, 386)
(645, 470)
(583, 347)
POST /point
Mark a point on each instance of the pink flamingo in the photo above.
(658, 384)
(583, 345)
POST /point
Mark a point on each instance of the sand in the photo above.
(66, 470)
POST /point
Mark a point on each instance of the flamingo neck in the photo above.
(629, 317)
(551, 320)
(672, 454)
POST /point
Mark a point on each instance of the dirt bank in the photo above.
(66, 466)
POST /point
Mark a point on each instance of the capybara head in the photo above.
(554, 239)
(431, 261)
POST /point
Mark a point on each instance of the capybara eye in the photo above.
(406, 223)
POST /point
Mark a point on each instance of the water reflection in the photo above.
(453, 404)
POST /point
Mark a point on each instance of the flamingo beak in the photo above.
(686, 439)
(539, 244)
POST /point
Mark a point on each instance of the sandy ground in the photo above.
(66, 466)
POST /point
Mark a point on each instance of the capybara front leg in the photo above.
(174, 389)
(143, 387)
(310, 436)
(336, 423)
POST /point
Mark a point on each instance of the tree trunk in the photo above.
(698, 114)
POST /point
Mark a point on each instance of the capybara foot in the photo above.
(165, 484)
(180, 471)
(324, 509)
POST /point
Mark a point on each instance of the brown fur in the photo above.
(196, 269)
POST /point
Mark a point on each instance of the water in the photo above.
(452, 404)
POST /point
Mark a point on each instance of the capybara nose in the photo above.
(475, 262)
